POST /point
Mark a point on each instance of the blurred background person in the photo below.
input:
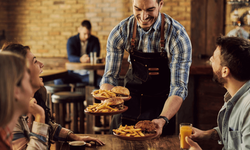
(15, 94)
(79, 48)
(32, 130)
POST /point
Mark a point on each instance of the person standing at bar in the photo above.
(79, 48)
(160, 57)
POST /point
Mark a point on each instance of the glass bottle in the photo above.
(248, 18)
(235, 17)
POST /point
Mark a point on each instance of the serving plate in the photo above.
(146, 137)
(103, 98)
(106, 113)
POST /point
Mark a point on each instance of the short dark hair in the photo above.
(235, 54)
(87, 24)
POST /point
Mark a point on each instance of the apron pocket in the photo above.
(140, 71)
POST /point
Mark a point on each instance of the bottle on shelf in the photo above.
(235, 17)
(248, 18)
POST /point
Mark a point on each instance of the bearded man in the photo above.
(230, 63)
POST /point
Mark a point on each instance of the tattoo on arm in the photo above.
(214, 135)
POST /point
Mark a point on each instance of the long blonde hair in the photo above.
(12, 68)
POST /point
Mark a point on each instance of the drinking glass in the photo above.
(185, 130)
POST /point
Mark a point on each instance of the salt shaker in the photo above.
(95, 58)
(91, 57)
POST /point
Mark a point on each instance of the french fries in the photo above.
(101, 107)
(103, 93)
(128, 131)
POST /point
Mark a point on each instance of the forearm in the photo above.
(73, 58)
(211, 135)
(72, 137)
(171, 106)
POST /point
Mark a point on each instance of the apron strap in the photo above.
(134, 36)
(162, 42)
(162, 32)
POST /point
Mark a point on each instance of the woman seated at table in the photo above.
(15, 93)
(32, 130)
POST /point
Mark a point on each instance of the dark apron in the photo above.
(148, 80)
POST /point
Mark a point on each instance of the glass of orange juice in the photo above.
(185, 130)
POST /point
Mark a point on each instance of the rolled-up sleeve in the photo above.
(181, 59)
(115, 50)
(38, 136)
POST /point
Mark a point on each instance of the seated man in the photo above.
(230, 64)
(78, 48)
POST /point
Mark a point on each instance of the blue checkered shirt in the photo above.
(178, 48)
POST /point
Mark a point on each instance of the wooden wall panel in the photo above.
(207, 22)
(215, 23)
(198, 26)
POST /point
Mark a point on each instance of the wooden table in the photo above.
(49, 75)
(114, 143)
(86, 66)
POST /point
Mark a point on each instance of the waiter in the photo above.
(160, 58)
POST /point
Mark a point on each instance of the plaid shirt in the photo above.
(5, 138)
(178, 48)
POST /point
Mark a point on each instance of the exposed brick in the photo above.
(54, 33)
(110, 9)
(90, 15)
(42, 51)
(48, 2)
(46, 25)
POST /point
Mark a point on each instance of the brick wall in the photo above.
(45, 25)
(3, 20)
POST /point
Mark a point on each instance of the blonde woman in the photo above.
(36, 129)
(15, 93)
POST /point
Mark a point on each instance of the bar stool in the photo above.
(60, 99)
(51, 89)
(79, 87)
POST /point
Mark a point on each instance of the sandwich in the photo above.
(103, 93)
(115, 102)
(120, 91)
(146, 126)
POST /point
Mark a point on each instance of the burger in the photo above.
(115, 102)
(120, 91)
(146, 126)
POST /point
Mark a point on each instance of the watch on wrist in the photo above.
(165, 118)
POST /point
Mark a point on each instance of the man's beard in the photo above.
(217, 78)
